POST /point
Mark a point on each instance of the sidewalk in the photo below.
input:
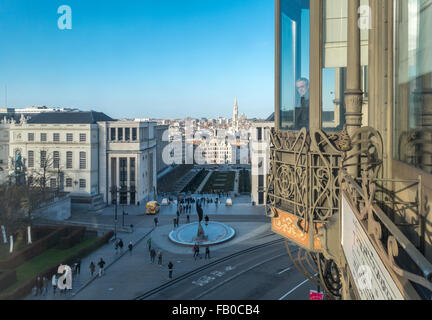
(135, 274)
(107, 252)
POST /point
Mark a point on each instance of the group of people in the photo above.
(42, 284)
(118, 246)
(153, 255)
(196, 251)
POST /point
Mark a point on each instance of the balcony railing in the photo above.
(395, 225)
(303, 187)
(309, 173)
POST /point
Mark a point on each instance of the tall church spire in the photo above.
(235, 121)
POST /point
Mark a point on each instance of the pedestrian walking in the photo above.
(178, 214)
(175, 222)
(121, 245)
(92, 268)
(45, 286)
(116, 247)
(130, 247)
(196, 251)
(152, 255)
(170, 269)
(101, 265)
(78, 266)
(155, 221)
(39, 285)
(149, 243)
(54, 283)
(188, 219)
(206, 220)
(207, 252)
(160, 258)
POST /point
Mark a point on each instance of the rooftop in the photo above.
(87, 117)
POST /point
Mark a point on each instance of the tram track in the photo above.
(210, 265)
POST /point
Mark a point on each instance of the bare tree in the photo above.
(49, 169)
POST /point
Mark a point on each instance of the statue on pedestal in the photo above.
(200, 233)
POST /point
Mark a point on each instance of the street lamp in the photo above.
(114, 199)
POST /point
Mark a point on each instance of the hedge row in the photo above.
(73, 238)
(47, 242)
(7, 278)
(62, 237)
(26, 287)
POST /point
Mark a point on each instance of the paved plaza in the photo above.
(128, 275)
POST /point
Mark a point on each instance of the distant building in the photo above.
(86, 154)
(160, 146)
(235, 119)
(260, 159)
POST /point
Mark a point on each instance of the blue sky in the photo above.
(140, 58)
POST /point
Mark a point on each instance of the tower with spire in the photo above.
(235, 120)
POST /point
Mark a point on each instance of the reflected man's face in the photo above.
(302, 88)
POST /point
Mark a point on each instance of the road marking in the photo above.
(298, 286)
(292, 290)
(235, 276)
(284, 270)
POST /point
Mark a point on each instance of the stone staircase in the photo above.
(181, 183)
(97, 203)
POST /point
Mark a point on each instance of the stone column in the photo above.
(353, 93)
(316, 64)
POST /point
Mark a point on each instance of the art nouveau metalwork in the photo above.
(303, 179)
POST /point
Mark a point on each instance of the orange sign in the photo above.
(286, 225)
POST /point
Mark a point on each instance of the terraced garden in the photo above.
(196, 181)
(220, 181)
(244, 181)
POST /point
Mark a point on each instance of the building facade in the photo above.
(162, 140)
(260, 159)
(128, 161)
(86, 154)
(353, 189)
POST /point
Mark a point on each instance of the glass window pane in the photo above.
(333, 98)
(294, 64)
(413, 79)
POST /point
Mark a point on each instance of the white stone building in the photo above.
(88, 153)
(4, 150)
(260, 157)
(128, 161)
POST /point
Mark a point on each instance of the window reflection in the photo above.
(333, 98)
(413, 90)
(294, 64)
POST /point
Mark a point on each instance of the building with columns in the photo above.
(87, 154)
(128, 161)
(260, 159)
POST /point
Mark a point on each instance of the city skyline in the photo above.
(141, 58)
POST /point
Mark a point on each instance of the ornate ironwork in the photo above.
(303, 173)
(415, 148)
(388, 239)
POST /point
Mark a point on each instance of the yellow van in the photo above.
(152, 207)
